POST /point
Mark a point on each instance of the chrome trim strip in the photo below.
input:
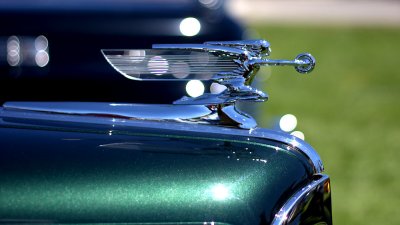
(141, 115)
(128, 110)
(283, 215)
(202, 47)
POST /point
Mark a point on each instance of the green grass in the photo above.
(349, 110)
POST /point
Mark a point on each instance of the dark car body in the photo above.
(63, 163)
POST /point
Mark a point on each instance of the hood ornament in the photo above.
(233, 64)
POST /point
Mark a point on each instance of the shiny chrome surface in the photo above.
(233, 64)
(317, 190)
(233, 115)
(168, 64)
(258, 46)
(160, 117)
(118, 110)
(217, 49)
(303, 63)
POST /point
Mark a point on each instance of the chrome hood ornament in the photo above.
(233, 64)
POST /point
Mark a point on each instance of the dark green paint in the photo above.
(76, 174)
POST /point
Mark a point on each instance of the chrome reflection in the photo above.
(158, 65)
(216, 88)
(180, 69)
(150, 64)
(202, 58)
(316, 192)
(136, 56)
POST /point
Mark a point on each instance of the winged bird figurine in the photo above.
(230, 63)
(233, 64)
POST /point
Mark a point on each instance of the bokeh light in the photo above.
(195, 88)
(211, 4)
(42, 58)
(216, 88)
(157, 65)
(41, 43)
(180, 69)
(288, 122)
(13, 51)
(298, 134)
(190, 26)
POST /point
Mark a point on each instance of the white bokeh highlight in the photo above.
(288, 122)
(195, 88)
(298, 134)
(190, 26)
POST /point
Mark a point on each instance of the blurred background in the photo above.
(347, 109)
(51, 49)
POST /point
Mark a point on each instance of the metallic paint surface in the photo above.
(100, 173)
(124, 116)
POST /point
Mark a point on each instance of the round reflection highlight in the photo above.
(180, 70)
(42, 58)
(202, 58)
(190, 26)
(298, 134)
(220, 192)
(136, 56)
(288, 122)
(216, 88)
(13, 51)
(195, 88)
(157, 65)
(41, 43)
(211, 4)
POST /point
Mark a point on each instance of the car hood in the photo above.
(80, 172)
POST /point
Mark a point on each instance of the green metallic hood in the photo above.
(94, 174)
